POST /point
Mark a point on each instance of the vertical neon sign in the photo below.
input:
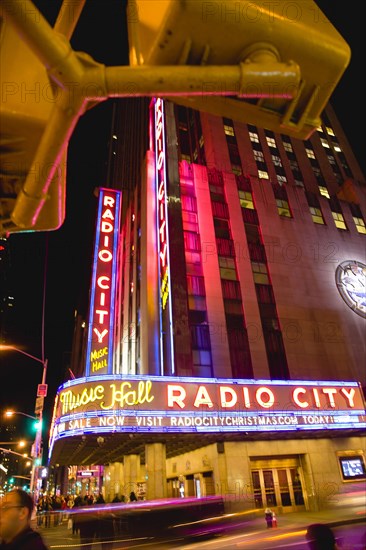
(162, 226)
(99, 357)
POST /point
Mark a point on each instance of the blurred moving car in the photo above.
(159, 519)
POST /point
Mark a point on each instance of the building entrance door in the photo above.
(277, 485)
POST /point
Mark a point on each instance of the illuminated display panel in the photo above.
(352, 468)
(99, 357)
(172, 404)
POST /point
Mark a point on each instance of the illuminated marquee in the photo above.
(99, 358)
(160, 167)
(204, 405)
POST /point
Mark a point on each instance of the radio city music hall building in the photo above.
(223, 350)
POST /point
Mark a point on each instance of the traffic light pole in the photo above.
(37, 450)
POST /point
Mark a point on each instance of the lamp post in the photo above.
(37, 445)
(12, 452)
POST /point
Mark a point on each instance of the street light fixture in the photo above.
(41, 393)
(9, 414)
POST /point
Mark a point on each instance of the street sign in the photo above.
(42, 390)
(39, 405)
(34, 451)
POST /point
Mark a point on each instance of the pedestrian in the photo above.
(100, 499)
(75, 526)
(39, 511)
(133, 496)
(268, 516)
(274, 520)
(47, 506)
(116, 498)
(16, 510)
(320, 537)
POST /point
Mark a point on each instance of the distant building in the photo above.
(241, 263)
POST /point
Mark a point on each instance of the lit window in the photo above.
(229, 130)
(201, 357)
(316, 214)
(262, 174)
(216, 189)
(114, 136)
(325, 143)
(271, 142)
(287, 146)
(283, 208)
(330, 131)
(337, 148)
(191, 241)
(193, 257)
(227, 268)
(196, 285)
(276, 160)
(310, 153)
(319, 129)
(200, 336)
(246, 199)
(339, 220)
(360, 225)
(332, 160)
(201, 141)
(190, 222)
(236, 169)
(197, 303)
(260, 273)
(258, 155)
(281, 179)
(189, 203)
(254, 137)
(324, 191)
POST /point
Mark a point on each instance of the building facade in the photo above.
(240, 272)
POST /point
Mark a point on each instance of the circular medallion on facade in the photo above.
(351, 282)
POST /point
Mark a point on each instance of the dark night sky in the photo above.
(101, 33)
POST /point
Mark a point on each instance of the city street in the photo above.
(349, 527)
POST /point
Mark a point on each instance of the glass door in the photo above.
(257, 489)
(284, 488)
(269, 488)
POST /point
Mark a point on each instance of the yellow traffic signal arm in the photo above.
(78, 83)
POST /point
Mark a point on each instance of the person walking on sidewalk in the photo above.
(16, 510)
